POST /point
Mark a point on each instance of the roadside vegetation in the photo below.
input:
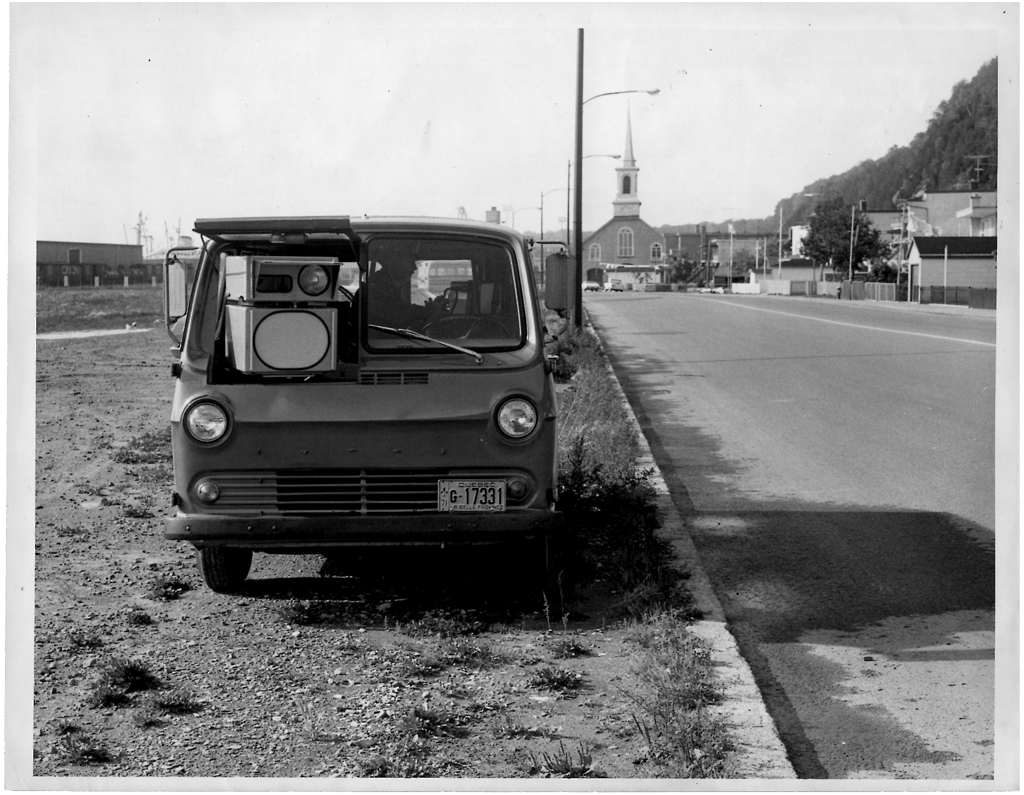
(613, 522)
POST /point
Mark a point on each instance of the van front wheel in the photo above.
(224, 569)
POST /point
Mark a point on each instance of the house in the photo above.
(626, 247)
(952, 213)
(953, 262)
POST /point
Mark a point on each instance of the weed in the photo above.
(80, 640)
(566, 647)
(80, 749)
(440, 624)
(311, 721)
(72, 531)
(179, 701)
(168, 589)
(675, 674)
(137, 617)
(562, 764)
(128, 676)
(148, 719)
(136, 512)
(408, 760)
(513, 730)
(105, 695)
(150, 448)
(424, 722)
(557, 679)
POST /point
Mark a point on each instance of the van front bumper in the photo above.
(282, 533)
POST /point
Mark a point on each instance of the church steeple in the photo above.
(626, 204)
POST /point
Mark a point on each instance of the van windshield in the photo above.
(459, 291)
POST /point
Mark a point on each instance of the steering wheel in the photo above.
(462, 327)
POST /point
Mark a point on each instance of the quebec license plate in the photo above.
(470, 495)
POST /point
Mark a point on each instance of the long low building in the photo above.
(954, 262)
(71, 264)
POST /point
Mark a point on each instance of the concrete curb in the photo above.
(758, 751)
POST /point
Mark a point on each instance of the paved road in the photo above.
(834, 461)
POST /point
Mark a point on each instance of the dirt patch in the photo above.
(384, 664)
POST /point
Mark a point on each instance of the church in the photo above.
(626, 248)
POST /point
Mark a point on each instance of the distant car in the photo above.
(717, 290)
(614, 286)
(591, 287)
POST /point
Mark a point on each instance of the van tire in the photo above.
(224, 569)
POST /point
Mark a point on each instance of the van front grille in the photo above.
(368, 378)
(318, 491)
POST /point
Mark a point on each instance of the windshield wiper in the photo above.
(415, 335)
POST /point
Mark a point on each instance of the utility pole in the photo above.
(578, 310)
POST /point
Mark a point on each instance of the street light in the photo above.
(519, 211)
(578, 214)
(652, 91)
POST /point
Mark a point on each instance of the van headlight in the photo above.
(206, 421)
(313, 280)
(517, 418)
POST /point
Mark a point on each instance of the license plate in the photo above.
(470, 495)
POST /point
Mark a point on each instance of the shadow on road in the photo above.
(790, 575)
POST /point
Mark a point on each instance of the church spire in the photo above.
(627, 156)
(626, 204)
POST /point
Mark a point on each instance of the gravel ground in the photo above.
(385, 665)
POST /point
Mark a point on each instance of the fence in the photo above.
(976, 298)
(98, 275)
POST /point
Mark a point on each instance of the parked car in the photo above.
(308, 415)
(591, 287)
(613, 286)
(717, 290)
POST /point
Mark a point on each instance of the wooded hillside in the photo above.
(958, 150)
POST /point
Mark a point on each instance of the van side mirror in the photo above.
(179, 266)
(559, 282)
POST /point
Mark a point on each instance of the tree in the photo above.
(828, 239)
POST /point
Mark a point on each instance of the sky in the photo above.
(190, 110)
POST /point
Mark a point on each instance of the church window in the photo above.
(656, 252)
(595, 253)
(626, 242)
(626, 185)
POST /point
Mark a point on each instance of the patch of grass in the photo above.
(119, 678)
(79, 748)
(563, 764)
(72, 309)
(676, 684)
(153, 447)
(167, 589)
(559, 680)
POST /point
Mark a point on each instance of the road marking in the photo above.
(857, 325)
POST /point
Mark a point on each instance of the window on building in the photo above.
(656, 254)
(595, 253)
(625, 242)
(626, 185)
(74, 256)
